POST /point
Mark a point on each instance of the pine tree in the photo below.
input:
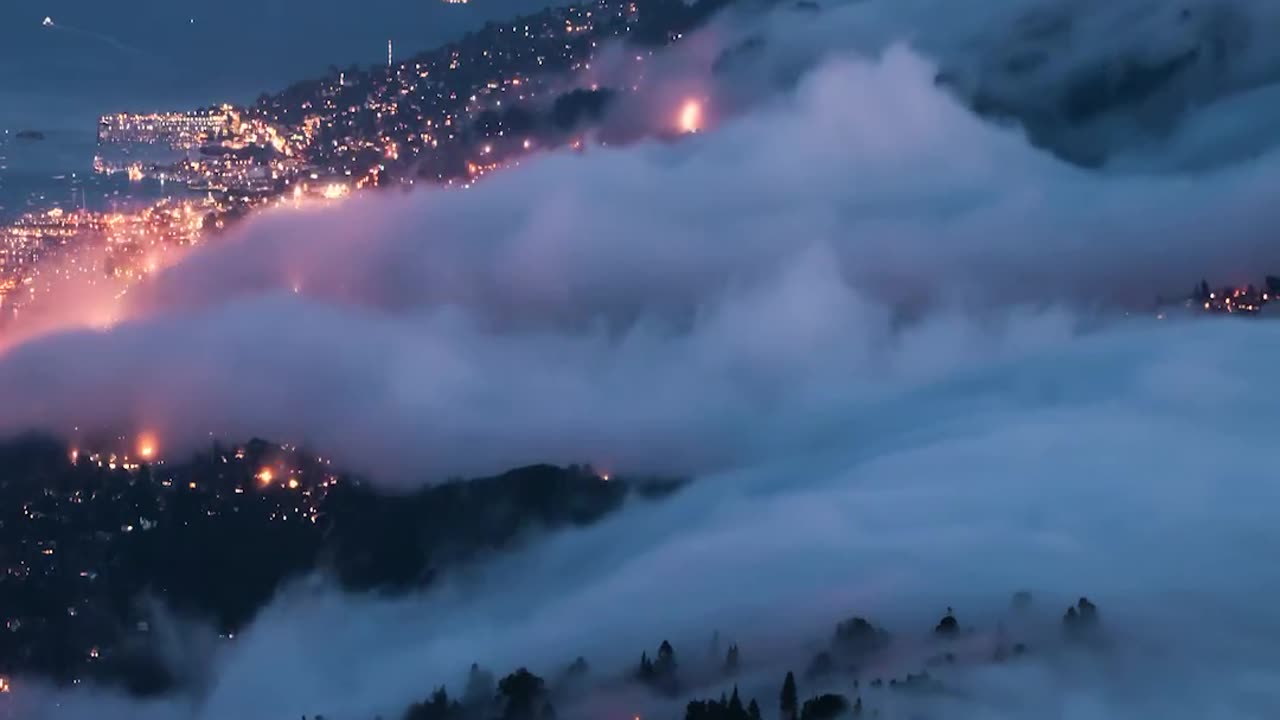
(753, 710)
(790, 701)
(736, 710)
(666, 658)
(731, 660)
(479, 689)
(646, 672)
(1088, 612)
(664, 669)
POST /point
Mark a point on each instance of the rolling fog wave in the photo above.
(1126, 85)
(1131, 466)
(676, 309)
(885, 333)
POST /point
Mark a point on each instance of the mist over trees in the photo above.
(523, 695)
(86, 543)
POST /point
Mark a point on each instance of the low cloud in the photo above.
(888, 337)
(666, 307)
(1130, 466)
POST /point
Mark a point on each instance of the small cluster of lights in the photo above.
(1236, 300)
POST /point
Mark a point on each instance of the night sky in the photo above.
(140, 54)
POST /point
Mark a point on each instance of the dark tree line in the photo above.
(518, 696)
(81, 544)
(524, 696)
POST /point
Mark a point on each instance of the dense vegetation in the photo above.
(84, 542)
(856, 643)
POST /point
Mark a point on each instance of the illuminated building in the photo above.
(178, 129)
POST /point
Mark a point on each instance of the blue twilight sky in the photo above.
(105, 55)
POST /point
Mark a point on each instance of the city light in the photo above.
(265, 476)
(335, 191)
(147, 446)
(690, 116)
(260, 155)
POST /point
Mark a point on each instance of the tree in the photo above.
(578, 668)
(824, 707)
(666, 659)
(664, 670)
(790, 700)
(1088, 611)
(1081, 619)
(857, 637)
(723, 709)
(520, 694)
(731, 660)
(821, 665)
(948, 626)
(479, 690)
(702, 710)
(735, 705)
(437, 707)
(645, 673)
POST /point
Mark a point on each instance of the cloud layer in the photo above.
(887, 336)
(1129, 466)
(665, 307)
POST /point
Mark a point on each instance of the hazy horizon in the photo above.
(102, 59)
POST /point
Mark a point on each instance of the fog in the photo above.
(1132, 467)
(910, 357)
(663, 307)
(1132, 85)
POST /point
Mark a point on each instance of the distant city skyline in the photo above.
(147, 54)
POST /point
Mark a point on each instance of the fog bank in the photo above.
(676, 308)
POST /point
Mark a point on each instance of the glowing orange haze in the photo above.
(690, 120)
(147, 446)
